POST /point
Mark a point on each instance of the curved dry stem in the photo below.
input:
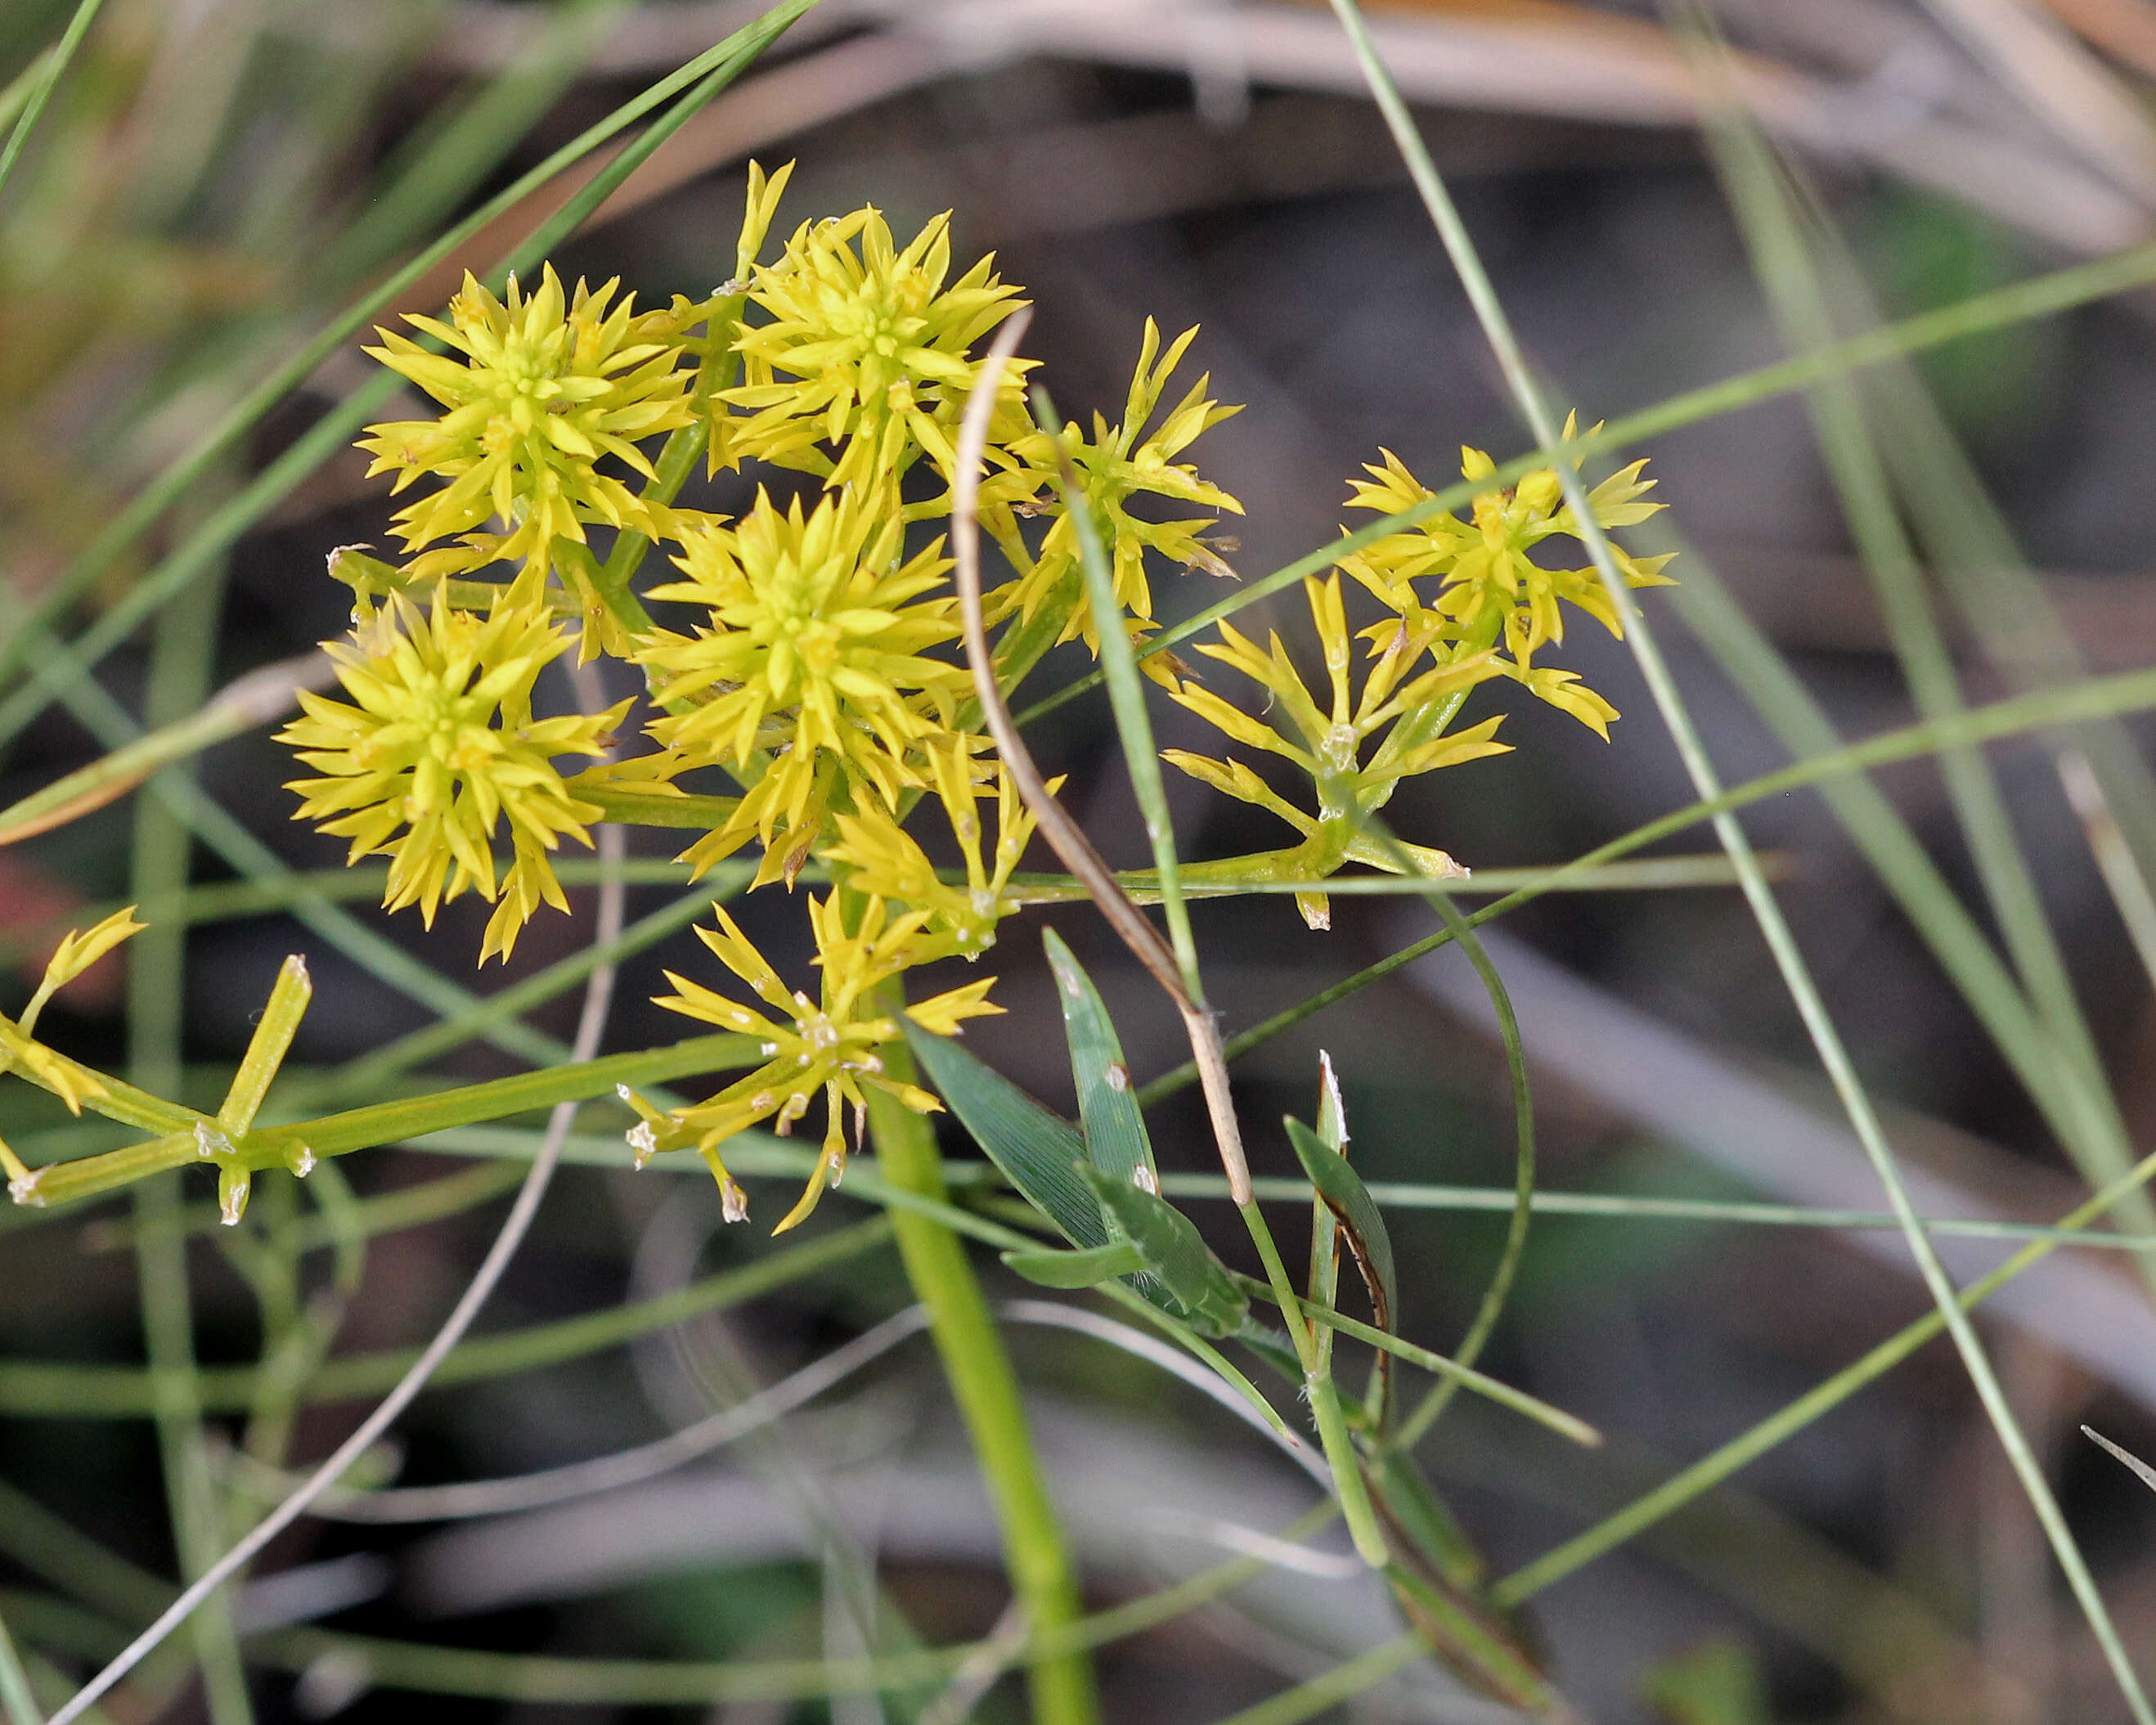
(1062, 833)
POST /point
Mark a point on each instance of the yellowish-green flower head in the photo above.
(1489, 588)
(830, 1044)
(816, 648)
(1326, 741)
(877, 857)
(864, 362)
(437, 747)
(1115, 465)
(544, 390)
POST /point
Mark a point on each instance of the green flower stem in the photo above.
(611, 591)
(409, 1117)
(986, 1392)
(267, 1047)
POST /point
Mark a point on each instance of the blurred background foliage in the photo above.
(215, 177)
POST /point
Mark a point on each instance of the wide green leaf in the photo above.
(1175, 1252)
(1115, 1140)
(1039, 1152)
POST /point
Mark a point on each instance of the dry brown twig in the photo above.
(1063, 834)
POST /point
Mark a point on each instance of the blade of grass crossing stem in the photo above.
(1322, 1693)
(431, 173)
(1127, 697)
(1796, 975)
(180, 669)
(1753, 665)
(1704, 1475)
(1752, 183)
(2098, 697)
(57, 668)
(43, 78)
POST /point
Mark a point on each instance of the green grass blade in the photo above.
(37, 83)
(1782, 260)
(1778, 1428)
(1774, 928)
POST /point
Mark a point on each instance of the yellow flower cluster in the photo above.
(804, 692)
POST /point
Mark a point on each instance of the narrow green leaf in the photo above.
(1040, 1152)
(1115, 1140)
(1077, 1270)
(1349, 1200)
(1174, 1250)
